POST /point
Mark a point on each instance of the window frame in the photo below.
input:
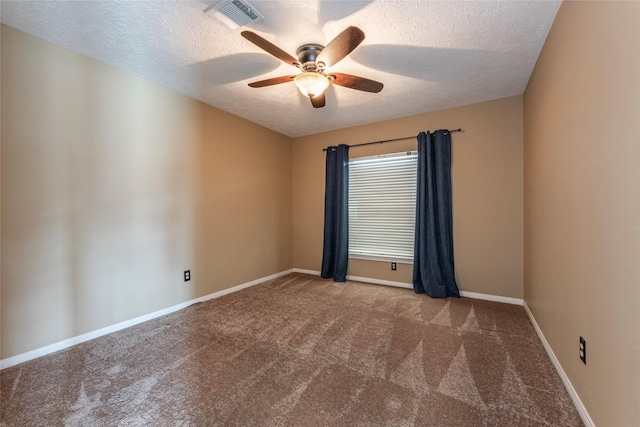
(384, 257)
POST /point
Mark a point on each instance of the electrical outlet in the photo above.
(583, 350)
(393, 266)
(187, 275)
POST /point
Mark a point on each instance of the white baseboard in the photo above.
(489, 297)
(361, 279)
(465, 294)
(381, 282)
(52, 348)
(586, 419)
(303, 271)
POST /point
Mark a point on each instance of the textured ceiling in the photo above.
(429, 55)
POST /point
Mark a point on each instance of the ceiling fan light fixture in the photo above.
(311, 84)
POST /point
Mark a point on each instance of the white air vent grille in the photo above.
(235, 13)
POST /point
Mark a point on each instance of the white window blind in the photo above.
(382, 206)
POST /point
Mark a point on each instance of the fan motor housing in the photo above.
(307, 54)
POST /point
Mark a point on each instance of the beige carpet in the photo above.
(302, 351)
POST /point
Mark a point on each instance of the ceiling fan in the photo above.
(314, 60)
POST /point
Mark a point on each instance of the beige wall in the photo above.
(582, 202)
(112, 186)
(487, 193)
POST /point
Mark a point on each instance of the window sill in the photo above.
(382, 259)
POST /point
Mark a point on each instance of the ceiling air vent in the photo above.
(235, 13)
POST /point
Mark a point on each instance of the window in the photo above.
(382, 206)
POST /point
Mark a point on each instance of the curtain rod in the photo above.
(395, 139)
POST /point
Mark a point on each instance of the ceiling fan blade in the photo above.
(269, 47)
(271, 82)
(340, 46)
(357, 83)
(318, 101)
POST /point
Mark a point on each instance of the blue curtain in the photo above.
(335, 252)
(433, 269)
